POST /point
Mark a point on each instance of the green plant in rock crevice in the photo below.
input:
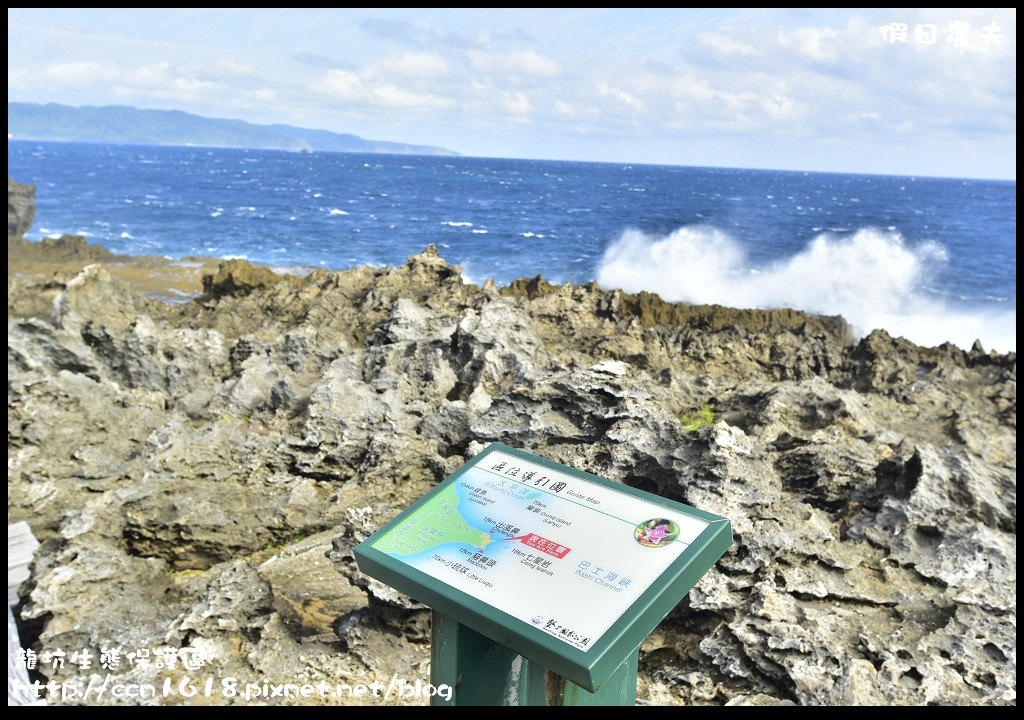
(704, 416)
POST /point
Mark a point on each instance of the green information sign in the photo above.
(566, 569)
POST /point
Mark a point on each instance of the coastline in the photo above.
(930, 260)
(199, 472)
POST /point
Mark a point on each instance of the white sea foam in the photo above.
(296, 270)
(127, 236)
(872, 278)
(469, 274)
(336, 211)
(478, 231)
(453, 223)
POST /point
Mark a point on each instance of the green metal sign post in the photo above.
(543, 580)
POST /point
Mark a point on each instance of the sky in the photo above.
(891, 91)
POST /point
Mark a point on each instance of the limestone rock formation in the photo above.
(21, 208)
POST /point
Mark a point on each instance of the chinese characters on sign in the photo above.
(554, 551)
(956, 34)
(527, 477)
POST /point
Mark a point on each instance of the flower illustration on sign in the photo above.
(655, 535)
(657, 532)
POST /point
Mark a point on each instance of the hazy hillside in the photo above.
(123, 124)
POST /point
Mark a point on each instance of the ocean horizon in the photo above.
(929, 259)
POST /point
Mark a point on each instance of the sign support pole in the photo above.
(483, 672)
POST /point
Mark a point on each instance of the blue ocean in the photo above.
(930, 259)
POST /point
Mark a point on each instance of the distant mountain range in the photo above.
(123, 124)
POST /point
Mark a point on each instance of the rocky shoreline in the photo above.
(199, 472)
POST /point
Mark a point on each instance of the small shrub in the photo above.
(704, 416)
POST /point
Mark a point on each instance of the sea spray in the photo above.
(873, 278)
(557, 218)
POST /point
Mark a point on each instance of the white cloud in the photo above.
(825, 82)
(516, 103)
(351, 87)
(396, 97)
(605, 89)
(575, 111)
(517, 62)
(153, 76)
(755, 79)
(817, 43)
(187, 88)
(80, 73)
(342, 84)
(159, 80)
(410, 65)
(778, 107)
(257, 97)
(723, 41)
(229, 68)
